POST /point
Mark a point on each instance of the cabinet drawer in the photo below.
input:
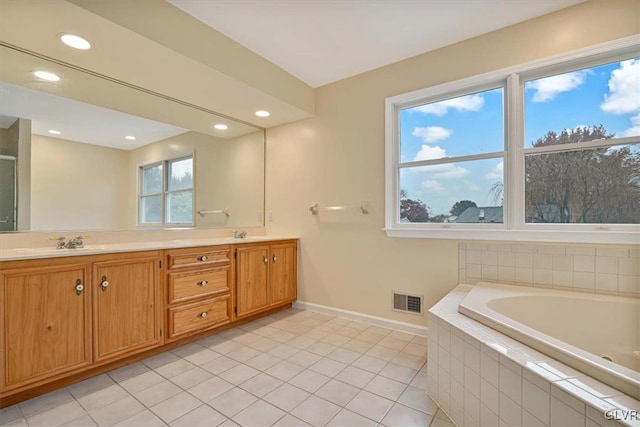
(199, 316)
(198, 257)
(196, 284)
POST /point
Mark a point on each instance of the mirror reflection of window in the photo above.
(166, 193)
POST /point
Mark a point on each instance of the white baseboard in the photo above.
(361, 317)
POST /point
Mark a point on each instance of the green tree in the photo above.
(461, 206)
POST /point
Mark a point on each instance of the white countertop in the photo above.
(52, 252)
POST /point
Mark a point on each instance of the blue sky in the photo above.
(472, 124)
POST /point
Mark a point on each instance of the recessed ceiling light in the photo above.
(262, 113)
(54, 132)
(221, 126)
(45, 75)
(75, 42)
(130, 137)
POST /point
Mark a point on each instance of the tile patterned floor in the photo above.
(293, 368)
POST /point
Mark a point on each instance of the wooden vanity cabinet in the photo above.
(199, 288)
(266, 276)
(126, 306)
(45, 326)
(67, 318)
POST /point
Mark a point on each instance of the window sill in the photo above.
(565, 236)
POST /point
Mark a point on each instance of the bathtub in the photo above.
(598, 335)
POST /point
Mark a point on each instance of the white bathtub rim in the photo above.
(474, 306)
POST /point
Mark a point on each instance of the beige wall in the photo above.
(4, 141)
(228, 174)
(338, 158)
(76, 186)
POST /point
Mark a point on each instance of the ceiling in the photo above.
(322, 41)
(78, 121)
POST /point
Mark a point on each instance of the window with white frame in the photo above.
(166, 193)
(545, 147)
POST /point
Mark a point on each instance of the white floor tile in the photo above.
(84, 421)
(338, 392)
(370, 405)
(418, 399)
(290, 421)
(309, 380)
(355, 376)
(45, 402)
(232, 402)
(286, 397)
(259, 414)
(284, 370)
(118, 411)
(292, 368)
(191, 378)
(400, 415)
(57, 416)
(239, 374)
(316, 411)
(141, 419)
(328, 367)
(157, 393)
(210, 389)
(261, 384)
(175, 407)
(369, 363)
(202, 416)
(346, 418)
(386, 387)
(10, 414)
(219, 365)
(103, 397)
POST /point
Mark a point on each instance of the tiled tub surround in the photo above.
(481, 377)
(292, 368)
(586, 268)
(577, 328)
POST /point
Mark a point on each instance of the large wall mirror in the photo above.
(85, 152)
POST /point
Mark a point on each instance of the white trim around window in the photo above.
(511, 79)
(165, 192)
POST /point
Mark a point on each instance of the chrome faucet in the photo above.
(239, 234)
(60, 243)
(75, 243)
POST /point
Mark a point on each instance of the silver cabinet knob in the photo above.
(203, 258)
(203, 283)
(203, 314)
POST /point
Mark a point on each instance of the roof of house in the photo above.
(491, 214)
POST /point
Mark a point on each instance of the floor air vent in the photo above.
(407, 303)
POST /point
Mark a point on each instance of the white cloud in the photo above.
(448, 171)
(473, 102)
(547, 89)
(624, 89)
(496, 173)
(443, 171)
(432, 186)
(633, 130)
(428, 152)
(470, 185)
(432, 133)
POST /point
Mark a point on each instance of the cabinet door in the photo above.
(252, 287)
(126, 307)
(282, 274)
(45, 323)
